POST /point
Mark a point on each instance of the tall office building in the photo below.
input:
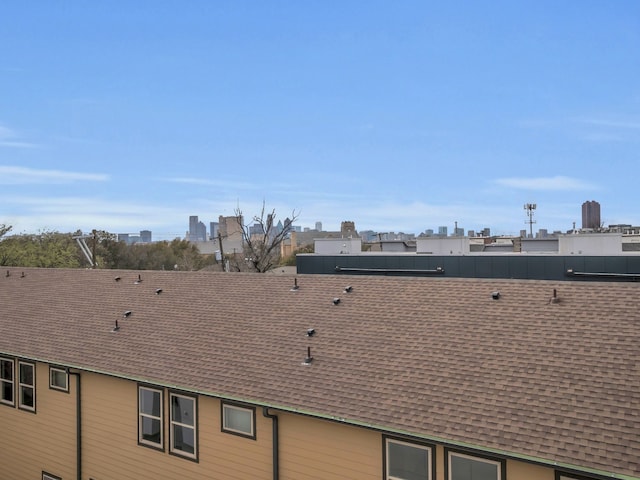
(197, 230)
(591, 214)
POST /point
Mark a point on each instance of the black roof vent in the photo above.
(22, 275)
(117, 279)
(8, 273)
(348, 289)
(308, 359)
(336, 301)
(495, 295)
(158, 291)
(117, 327)
(311, 332)
(127, 314)
(139, 280)
(295, 285)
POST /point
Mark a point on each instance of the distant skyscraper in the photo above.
(193, 228)
(197, 230)
(319, 226)
(213, 229)
(442, 231)
(591, 214)
(145, 236)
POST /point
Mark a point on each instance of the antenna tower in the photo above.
(530, 207)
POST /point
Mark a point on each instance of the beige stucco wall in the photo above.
(310, 448)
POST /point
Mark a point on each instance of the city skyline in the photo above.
(400, 117)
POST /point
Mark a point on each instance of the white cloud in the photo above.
(13, 175)
(558, 183)
(609, 122)
(10, 138)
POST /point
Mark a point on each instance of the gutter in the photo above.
(634, 277)
(78, 425)
(276, 450)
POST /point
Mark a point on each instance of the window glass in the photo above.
(150, 416)
(238, 419)
(58, 379)
(406, 461)
(182, 409)
(151, 430)
(27, 386)
(184, 439)
(463, 467)
(183, 425)
(6, 369)
(6, 381)
(150, 402)
(26, 373)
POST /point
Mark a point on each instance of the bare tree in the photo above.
(4, 229)
(261, 244)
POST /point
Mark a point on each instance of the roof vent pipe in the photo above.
(295, 285)
(117, 327)
(309, 359)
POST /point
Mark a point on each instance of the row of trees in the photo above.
(62, 250)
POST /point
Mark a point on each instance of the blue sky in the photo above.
(400, 116)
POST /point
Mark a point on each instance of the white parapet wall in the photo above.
(591, 244)
(443, 246)
(337, 246)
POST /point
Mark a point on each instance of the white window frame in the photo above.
(475, 458)
(420, 446)
(48, 476)
(11, 381)
(142, 415)
(54, 386)
(173, 424)
(252, 415)
(26, 386)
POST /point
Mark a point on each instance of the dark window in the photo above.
(183, 425)
(6, 381)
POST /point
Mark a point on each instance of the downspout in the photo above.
(274, 430)
(78, 426)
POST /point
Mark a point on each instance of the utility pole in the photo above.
(93, 249)
(221, 251)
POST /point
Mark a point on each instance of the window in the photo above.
(6, 381)
(407, 461)
(48, 476)
(467, 467)
(238, 420)
(183, 426)
(27, 386)
(58, 379)
(150, 412)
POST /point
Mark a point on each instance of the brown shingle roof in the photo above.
(433, 357)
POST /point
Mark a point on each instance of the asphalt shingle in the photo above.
(524, 374)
